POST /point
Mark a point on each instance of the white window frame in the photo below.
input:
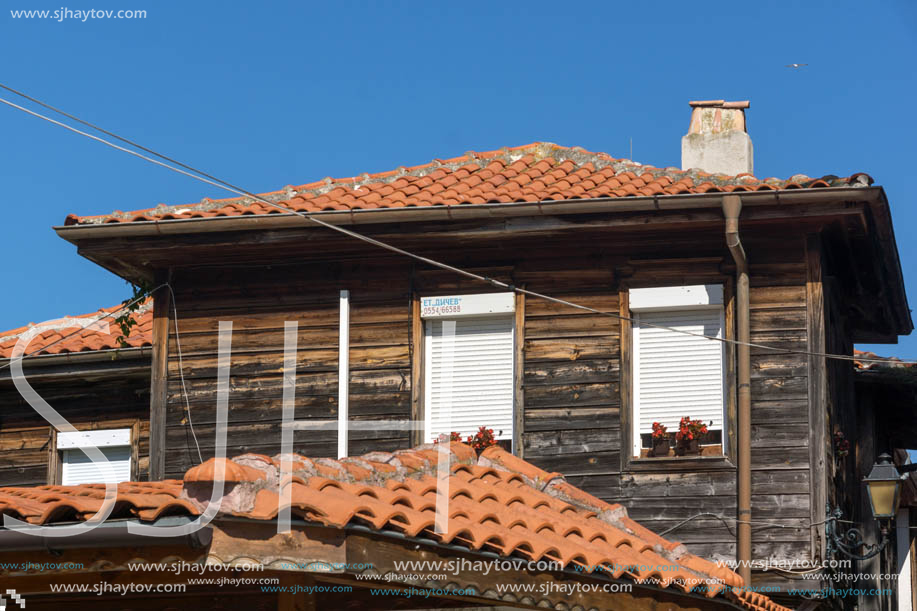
(102, 439)
(673, 299)
(463, 307)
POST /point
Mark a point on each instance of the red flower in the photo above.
(484, 438)
(691, 429)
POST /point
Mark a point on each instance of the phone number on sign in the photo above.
(440, 310)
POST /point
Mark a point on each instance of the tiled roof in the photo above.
(83, 339)
(498, 503)
(886, 363)
(536, 172)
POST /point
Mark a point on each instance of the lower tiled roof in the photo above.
(536, 172)
(83, 339)
(498, 503)
(886, 362)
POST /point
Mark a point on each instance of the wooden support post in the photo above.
(54, 465)
(416, 369)
(626, 377)
(135, 451)
(815, 331)
(159, 374)
(519, 394)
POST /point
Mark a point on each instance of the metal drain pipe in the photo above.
(732, 208)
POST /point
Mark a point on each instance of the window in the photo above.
(76, 466)
(675, 374)
(469, 364)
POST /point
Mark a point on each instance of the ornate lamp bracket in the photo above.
(850, 543)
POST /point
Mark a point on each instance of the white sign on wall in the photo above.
(450, 306)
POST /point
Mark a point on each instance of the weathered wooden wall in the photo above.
(91, 396)
(571, 366)
(259, 302)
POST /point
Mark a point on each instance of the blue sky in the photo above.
(270, 94)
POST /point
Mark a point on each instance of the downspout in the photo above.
(732, 208)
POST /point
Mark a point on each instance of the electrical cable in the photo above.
(725, 521)
(181, 375)
(213, 181)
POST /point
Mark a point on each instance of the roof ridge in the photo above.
(364, 190)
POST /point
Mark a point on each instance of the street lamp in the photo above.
(883, 485)
(884, 488)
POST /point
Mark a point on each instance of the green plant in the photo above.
(127, 319)
(659, 431)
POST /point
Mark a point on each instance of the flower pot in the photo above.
(687, 447)
(660, 447)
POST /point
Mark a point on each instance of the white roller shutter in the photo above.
(469, 375)
(78, 468)
(675, 374)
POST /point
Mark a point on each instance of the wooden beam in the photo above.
(54, 465)
(817, 390)
(159, 376)
(518, 395)
(626, 378)
(135, 451)
(416, 368)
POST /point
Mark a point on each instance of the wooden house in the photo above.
(646, 250)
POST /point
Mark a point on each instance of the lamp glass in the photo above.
(883, 498)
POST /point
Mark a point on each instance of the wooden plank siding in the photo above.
(570, 370)
(112, 400)
(258, 302)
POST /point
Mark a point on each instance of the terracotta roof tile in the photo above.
(887, 362)
(544, 171)
(498, 503)
(85, 339)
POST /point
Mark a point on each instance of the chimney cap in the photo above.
(719, 104)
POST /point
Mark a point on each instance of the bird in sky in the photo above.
(795, 65)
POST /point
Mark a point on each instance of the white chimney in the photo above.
(717, 141)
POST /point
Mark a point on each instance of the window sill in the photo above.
(680, 463)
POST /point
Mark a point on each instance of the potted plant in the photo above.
(690, 433)
(660, 440)
(480, 441)
(841, 446)
(453, 436)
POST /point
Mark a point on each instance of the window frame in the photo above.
(56, 453)
(727, 460)
(419, 372)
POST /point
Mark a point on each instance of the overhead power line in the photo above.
(201, 176)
